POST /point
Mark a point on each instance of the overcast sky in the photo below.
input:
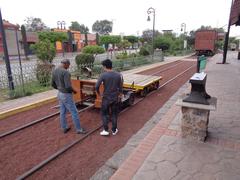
(128, 16)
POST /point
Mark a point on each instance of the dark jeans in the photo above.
(108, 106)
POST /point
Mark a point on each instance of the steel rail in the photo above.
(163, 70)
(36, 122)
(54, 114)
(67, 147)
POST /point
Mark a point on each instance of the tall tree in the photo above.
(52, 36)
(131, 39)
(35, 24)
(24, 40)
(75, 26)
(147, 35)
(102, 27)
(107, 39)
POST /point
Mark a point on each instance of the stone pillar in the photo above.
(195, 118)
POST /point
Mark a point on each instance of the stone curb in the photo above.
(26, 107)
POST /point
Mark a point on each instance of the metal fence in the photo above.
(35, 79)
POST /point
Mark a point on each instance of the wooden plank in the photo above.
(139, 80)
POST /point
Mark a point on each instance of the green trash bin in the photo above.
(203, 62)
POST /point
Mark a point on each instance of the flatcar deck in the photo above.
(138, 81)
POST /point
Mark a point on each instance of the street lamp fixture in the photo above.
(152, 11)
(61, 24)
(183, 27)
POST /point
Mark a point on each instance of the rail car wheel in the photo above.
(144, 92)
(131, 99)
(156, 85)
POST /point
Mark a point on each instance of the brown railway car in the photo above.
(205, 42)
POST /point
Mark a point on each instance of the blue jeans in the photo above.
(66, 103)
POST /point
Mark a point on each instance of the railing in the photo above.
(32, 81)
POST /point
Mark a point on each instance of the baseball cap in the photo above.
(65, 61)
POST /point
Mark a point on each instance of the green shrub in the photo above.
(143, 51)
(43, 73)
(44, 50)
(84, 59)
(93, 49)
(122, 55)
(132, 55)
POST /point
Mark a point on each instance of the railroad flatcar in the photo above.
(133, 84)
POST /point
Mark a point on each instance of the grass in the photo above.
(29, 89)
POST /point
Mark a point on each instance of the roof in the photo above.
(8, 25)
(235, 13)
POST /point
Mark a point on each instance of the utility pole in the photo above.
(227, 37)
(6, 57)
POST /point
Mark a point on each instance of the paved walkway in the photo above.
(163, 154)
(18, 105)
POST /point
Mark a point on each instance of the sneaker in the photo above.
(81, 131)
(66, 130)
(114, 133)
(104, 133)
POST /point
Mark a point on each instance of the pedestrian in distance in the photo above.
(112, 83)
(61, 80)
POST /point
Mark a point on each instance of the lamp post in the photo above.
(61, 24)
(183, 28)
(152, 11)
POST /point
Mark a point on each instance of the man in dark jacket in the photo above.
(112, 82)
(61, 80)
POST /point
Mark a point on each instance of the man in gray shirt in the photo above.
(61, 80)
(112, 82)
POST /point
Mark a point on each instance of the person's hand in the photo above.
(74, 91)
(120, 96)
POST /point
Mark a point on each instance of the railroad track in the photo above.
(80, 139)
(57, 113)
(36, 122)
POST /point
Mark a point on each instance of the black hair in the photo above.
(107, 63)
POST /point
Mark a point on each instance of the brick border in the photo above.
(130, 166)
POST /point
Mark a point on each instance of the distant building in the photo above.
(11, 30)
(91, 39)
(167, 31)
(72, 44)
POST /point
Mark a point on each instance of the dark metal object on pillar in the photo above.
(198, 92)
